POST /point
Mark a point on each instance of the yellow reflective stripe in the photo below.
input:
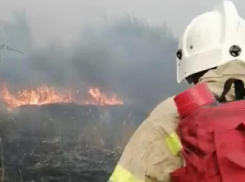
(174, 143)
(122, 175)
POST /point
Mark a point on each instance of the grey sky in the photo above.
(63, 19)
(103, 54)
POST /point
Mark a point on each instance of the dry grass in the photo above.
(104, 137)
(116, 135)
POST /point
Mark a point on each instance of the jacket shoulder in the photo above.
(164, 112)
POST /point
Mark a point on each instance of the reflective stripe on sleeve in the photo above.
(174, 143)
(122, 175)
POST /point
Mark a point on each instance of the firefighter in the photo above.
(211, 50)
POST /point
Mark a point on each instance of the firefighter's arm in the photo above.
(148, 158)
(150, 155)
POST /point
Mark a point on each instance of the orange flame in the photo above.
(48, 95)
(98, 98)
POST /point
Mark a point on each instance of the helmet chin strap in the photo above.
(239, 89)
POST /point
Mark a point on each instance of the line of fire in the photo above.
(44, 95)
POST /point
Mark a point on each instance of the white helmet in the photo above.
(211, 39)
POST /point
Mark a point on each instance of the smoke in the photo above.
(128, 57)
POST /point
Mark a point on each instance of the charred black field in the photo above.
(64, 142)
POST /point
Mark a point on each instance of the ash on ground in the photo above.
(64, 143)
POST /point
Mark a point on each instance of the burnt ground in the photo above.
(64, 143)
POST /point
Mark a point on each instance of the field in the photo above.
(64, 143)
